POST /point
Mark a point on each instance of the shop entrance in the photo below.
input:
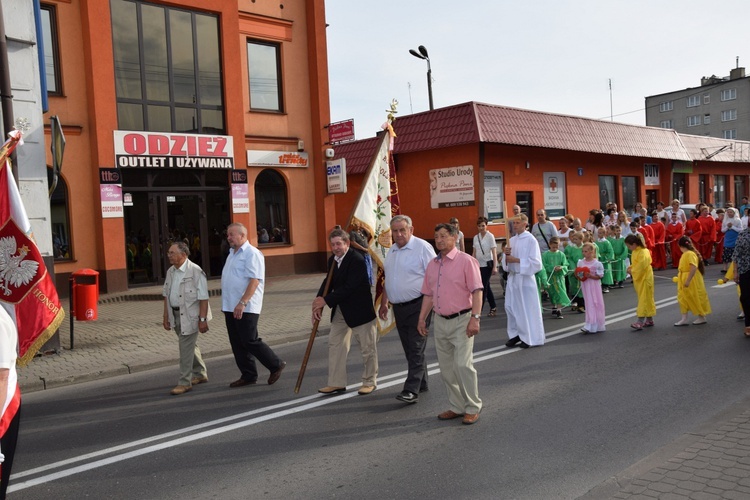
(652, 198)
(162, 207)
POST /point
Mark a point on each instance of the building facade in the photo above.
(180, 117)
(720, 107)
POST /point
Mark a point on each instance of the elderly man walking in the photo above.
(522, 259)
(405, 267)
(242, 284)
(452, 288)
(186, 309)
(352, 315)
(543, 230)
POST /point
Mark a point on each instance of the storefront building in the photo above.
(476, 159)
(181, 117)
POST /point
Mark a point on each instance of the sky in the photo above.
(555, 56)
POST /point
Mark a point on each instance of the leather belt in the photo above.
(408, 302)
(456, 315)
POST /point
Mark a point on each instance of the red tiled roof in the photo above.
(474, 122)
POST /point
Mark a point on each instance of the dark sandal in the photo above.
(492, 312)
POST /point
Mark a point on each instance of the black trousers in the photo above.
(407, 317)
(486, 273)
(8, 448)
(247, 346)
(745, 295)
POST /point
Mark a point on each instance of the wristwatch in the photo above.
(202, 320)
(243, 302)
(476, 316)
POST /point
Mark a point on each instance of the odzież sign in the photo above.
(341, 131)
(172, 150)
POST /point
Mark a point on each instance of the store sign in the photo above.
(336, 176)
(554, 194)
(172, 150)
(110, 192)
(240, 200)
(276, 159)
(651, 174)
(341, 132)
(452, 187)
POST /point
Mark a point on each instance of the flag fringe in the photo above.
(42, 339)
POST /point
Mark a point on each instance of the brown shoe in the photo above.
(332, 390)
(470, 418)
(180, 389)
(275, 375)
(198, 380)
(241, 382)
(365, 389)
(747, 331)
(449, 415)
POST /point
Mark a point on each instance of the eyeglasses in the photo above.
(541, 214)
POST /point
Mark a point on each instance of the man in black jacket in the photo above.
(352, 314)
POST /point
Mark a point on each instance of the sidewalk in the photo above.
(129, 337)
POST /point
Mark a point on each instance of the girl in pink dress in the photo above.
(591, 288)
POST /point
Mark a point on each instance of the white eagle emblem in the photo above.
(14, 270)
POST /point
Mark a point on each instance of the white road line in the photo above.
(262, 414)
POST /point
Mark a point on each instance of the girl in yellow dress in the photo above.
(691, 290)
(643, 281)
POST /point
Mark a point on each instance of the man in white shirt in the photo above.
(543, 230)
(405, 266)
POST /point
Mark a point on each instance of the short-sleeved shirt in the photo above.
(242, 265)
(177, 277)
(450, 280)
(404, 269)
(483, 246)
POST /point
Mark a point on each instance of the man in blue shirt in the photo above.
(242, 282)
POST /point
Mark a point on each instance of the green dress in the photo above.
(573, 254)
(606, 256)
(557, 288)
(620, 264)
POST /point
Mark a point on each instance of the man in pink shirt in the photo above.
(452, 288)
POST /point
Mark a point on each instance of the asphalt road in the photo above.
(558, 420)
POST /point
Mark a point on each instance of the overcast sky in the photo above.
(547, 55)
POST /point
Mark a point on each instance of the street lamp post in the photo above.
(422, 54)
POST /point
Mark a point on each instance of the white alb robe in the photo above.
(521, 295)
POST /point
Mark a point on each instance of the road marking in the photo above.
(259, 415)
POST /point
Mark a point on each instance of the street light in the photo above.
(422, 54)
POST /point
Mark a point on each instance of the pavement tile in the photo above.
(661, 487)
(710, 454)
(700, 495)
(708, 474)
(735, 473)
(679, 475)
(734, 495)
(692, 486)
(722, 484)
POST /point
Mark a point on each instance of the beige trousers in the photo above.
(339, 341)
(455, 352)
(191, 362)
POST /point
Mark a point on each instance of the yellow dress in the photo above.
(694, 298)
(643, 282)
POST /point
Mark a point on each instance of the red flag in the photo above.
(26, 288)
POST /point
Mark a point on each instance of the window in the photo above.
(271, 212)
(666, 124)
(607, 190)
(679, 187)
(61, 246)
(729, 134)
(729, 115)
(693, 100)
(728, 94)
(51, 52)
(264, 73)
(694, 120)
(707, 99)
(739, 189)
(720, 190)
(167, 69)
(629, 192)
(665, 106)
(706, 119)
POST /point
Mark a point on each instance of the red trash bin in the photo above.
(85, 294)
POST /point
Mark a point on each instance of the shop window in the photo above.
(51, 51)
(629, 192)
(679, 187)
(720, 190)
(264, 73)
(739, 189)
(271, 210)
(607, 190)
(59, 213)
(167, 69)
